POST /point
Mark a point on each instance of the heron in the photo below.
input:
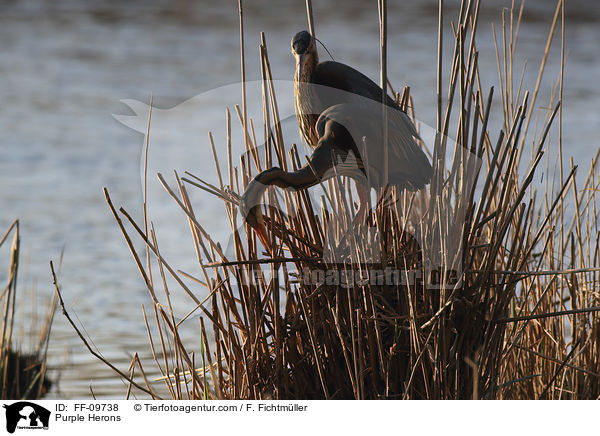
(320, 85)
(349, 143)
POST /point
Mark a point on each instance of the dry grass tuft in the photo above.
(22, 375)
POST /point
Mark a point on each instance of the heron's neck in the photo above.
(301, 179)
(310, 66)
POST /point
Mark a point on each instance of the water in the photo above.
(66, 65)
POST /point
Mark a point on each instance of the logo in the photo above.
(432, 217)
(26, 415)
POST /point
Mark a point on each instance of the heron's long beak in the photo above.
(299, 66)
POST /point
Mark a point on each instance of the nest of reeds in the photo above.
(516, 315)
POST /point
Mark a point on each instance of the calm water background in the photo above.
(66, 65)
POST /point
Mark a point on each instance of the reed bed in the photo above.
(22, 374)
(521, 320)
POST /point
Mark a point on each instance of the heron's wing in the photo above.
(407, 160)
(360, 88)
(408, 166)
(346, 78)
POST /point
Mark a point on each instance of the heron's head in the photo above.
(302, 42)
(250, 203)
(303, 49)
